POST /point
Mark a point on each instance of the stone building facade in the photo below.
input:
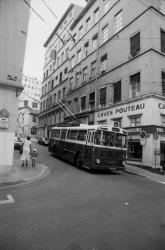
(117, 72)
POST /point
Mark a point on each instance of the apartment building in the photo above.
(55, 79)
(27, 117)
(14, 17)
(32, 87)
(117, 72)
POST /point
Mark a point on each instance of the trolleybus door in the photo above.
(88, 148)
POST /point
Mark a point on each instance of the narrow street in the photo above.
(73, 209)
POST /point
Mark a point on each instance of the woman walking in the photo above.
(25, 157)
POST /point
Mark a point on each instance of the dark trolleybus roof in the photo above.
(94, 127)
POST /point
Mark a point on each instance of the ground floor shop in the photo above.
(146, 114)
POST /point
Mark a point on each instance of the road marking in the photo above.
(10, 200)
(153, 179)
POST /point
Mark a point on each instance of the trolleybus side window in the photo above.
(72, 134)
(56, 133)
(90, 137)
(63, 133)
(82, 135)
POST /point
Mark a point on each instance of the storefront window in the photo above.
(134, 150)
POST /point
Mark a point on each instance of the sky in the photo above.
(39, 31)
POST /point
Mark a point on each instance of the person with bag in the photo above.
(26, 151)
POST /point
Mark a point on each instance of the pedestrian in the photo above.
(34, 155)
(25, 157)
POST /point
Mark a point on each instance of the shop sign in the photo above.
(4, 121)
(142, 141)
(121, 110)
(133, 130)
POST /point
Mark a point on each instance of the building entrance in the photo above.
(162, 153)
(134, 150)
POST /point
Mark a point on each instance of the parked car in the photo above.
(17, 143)
(43, 141)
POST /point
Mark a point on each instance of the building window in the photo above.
(106, 5)
(86, 45)
(92, 100)
(134, 85)
(135, 121)
(52, 84)
(34, 118)
(93, 69)
(163, 120)
(71, 83)
(72, 61)
(76, 108)
(64, 92)
(162, 6)
(35, 105)
(87, 24)
(118, 22)
(62, 57)
(94, 41)
(163, 41)
(79, 54)
(83, 103)
(135, 44)
(81, 31)
(69, 105)
(58, 61)
(59, 94)
(33, 130)
(117, 92)
(77, 78)
(163, 83)
(85, 74)
(96, 15)
(66, 53)
(105, 33)
(25, 103)
(55, 97)
(65, 71)
(104, 63)
(60, 78)
(103, 96)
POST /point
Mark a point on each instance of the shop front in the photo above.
(145, 116)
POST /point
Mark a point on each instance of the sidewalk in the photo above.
(24, 174)
(145, 173)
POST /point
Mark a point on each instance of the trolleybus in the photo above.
(90, 146)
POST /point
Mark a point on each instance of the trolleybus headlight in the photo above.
(98, 161)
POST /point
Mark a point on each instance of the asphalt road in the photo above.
(72, 209)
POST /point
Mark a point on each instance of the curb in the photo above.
(44, 172)
(146, 176)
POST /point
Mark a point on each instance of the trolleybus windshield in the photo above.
(107, 138)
